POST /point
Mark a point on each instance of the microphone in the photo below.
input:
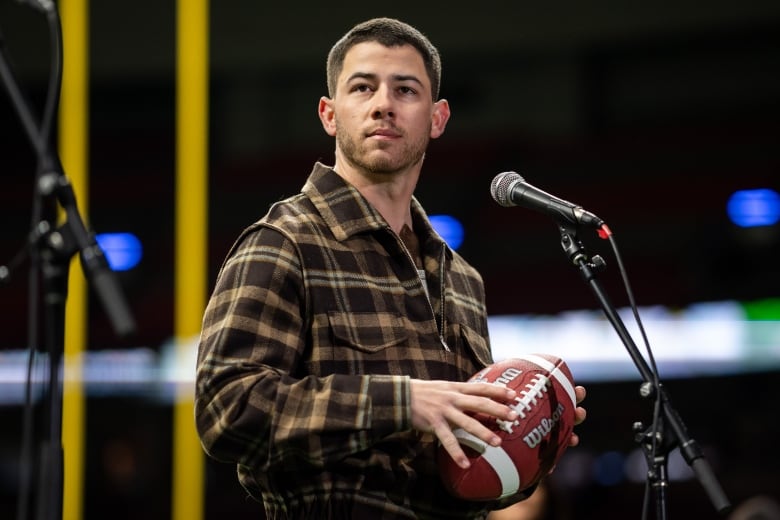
(510, 189)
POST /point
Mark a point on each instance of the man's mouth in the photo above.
(384, 132)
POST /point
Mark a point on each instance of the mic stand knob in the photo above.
(656, 449)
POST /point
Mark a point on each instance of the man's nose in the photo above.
(383, 103)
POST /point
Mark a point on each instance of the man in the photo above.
(341, 328)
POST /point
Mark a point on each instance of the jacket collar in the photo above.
(341, 206)
(347, 212)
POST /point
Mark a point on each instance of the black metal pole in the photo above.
(54, 248)
(55, 284)
(689, 448)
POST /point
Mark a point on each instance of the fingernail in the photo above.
(512, 415)
(464, 463)
(495, 440)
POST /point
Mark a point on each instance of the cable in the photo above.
(651, 360)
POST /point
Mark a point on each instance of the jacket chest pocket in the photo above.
(369, 332)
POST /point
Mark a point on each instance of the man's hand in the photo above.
(579, 413)
(438, 407)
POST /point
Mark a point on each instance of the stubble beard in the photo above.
(359, 153)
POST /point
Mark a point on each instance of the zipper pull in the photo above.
(444, 344)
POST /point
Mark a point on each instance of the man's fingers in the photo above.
(486, 398)
(441, 407)
(467, 423)
(477, 428)
(486, 406)
(489, 390)
(579, 393)
(579, 412)
(470, 425)
(451, 444)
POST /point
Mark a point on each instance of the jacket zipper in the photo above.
(427, 298)
(443, 327)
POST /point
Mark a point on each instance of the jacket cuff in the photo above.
(390, 404)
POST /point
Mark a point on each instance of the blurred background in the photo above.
(651, 115)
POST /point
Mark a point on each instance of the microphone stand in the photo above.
(670, 432)
(53, 248)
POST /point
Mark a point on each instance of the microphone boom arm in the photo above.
(689, 449)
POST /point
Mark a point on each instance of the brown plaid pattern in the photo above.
(317, 322)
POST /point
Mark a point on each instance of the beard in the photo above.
(362, 153)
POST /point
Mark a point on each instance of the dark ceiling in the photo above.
(649, 115)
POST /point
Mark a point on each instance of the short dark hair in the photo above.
(390, 33)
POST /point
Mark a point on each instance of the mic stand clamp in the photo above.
(656, 446)
(73, 236)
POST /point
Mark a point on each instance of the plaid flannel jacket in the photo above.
(317, 321)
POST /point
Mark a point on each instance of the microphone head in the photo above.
(501, 187)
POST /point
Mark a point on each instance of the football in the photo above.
(531, 445)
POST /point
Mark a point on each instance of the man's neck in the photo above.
(389, 194)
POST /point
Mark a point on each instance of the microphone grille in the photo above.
(501, 185)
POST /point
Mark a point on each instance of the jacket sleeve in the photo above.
(250, 407)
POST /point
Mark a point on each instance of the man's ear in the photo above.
(327, 115)
(439, 118)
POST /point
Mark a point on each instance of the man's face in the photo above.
(382, 114)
